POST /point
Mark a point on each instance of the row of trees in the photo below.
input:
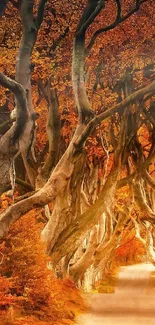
(95, 172)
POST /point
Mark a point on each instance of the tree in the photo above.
(113, 142)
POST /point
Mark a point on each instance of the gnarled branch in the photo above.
(118, 20)
(137, 95)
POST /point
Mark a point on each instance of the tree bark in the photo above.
(56, 183)
(53, 132)
(23, 73)
(9, 142)
(77, 271)
(83, 105)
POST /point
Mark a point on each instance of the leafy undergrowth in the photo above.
(30, 294)
(130, 250)
(107, 285)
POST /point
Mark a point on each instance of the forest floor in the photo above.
(131, 303)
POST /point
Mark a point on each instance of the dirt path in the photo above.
(133, 303)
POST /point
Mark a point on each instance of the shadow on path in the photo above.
(133, 302)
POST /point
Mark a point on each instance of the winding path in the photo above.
(133, 303)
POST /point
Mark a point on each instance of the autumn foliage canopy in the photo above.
(77, 146)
